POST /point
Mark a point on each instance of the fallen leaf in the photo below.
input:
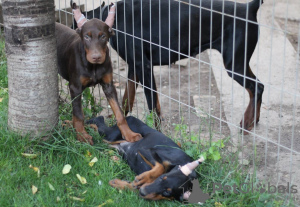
(218, 204)
(81, 179)
(84, 192)
(109, 201)
(93, 161)
(1, 99)
(51, 187)
(36, 169)
(34, 189)
(88, 154)
(30, 156)
(115, 158)
(76, 198)
(57, 199)
(66, 169)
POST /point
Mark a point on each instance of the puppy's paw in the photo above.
(120, 184)
(133, 137)
(67, 124)
(93, 126)
(85, 137)
(142, 179)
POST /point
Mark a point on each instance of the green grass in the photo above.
(16, 178)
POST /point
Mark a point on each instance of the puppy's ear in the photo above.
(73, 5)
(103, 4)
(78, 31)
(111, 31)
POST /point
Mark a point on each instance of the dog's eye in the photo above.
(86, 37)
(167, 193)
(103, 37)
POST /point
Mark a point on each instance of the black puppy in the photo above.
(83, 60)
(156, 159)
(218, 30)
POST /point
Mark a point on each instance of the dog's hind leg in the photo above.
(245, 77)
(255, 101)
(129, 94)
(147, 78)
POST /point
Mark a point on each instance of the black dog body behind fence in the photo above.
(144, 43)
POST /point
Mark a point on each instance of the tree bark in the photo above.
(32, 65)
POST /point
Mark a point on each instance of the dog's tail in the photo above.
(255, 4)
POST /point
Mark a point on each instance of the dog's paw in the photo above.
(142, 179)
(93, 126)
(85, 137)
(120, 184)
(133, 137)
(67, 124)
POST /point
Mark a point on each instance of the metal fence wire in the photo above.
(199, 92)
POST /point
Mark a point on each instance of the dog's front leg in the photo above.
(111, 95)
(78, 117)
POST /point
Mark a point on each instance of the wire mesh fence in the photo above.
(198, 91)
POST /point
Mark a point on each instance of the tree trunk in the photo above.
(32, 65)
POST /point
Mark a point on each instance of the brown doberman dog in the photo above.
(83, 60)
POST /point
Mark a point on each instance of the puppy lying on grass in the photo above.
(164, 170)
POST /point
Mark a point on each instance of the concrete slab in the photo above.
(289, 11)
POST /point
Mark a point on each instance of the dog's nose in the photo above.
(96, 57)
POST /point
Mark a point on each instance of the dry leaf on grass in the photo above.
(36, 169)
(66, 169)
(1, 99)
(34, 189)
(218, 204)
(81, 179)
(51, 187)
(30, 156)
(57, 199)
(88, 154)
(76, 198)
(115, 158)
(109, 201)
(93, 161)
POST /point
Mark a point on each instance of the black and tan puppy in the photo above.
(83, 60)
(164, 170)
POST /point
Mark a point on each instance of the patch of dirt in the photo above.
(292, 28)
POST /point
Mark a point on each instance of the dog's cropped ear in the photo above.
(73, 4)
(103, 4)
(111, 31)
(78, 31)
